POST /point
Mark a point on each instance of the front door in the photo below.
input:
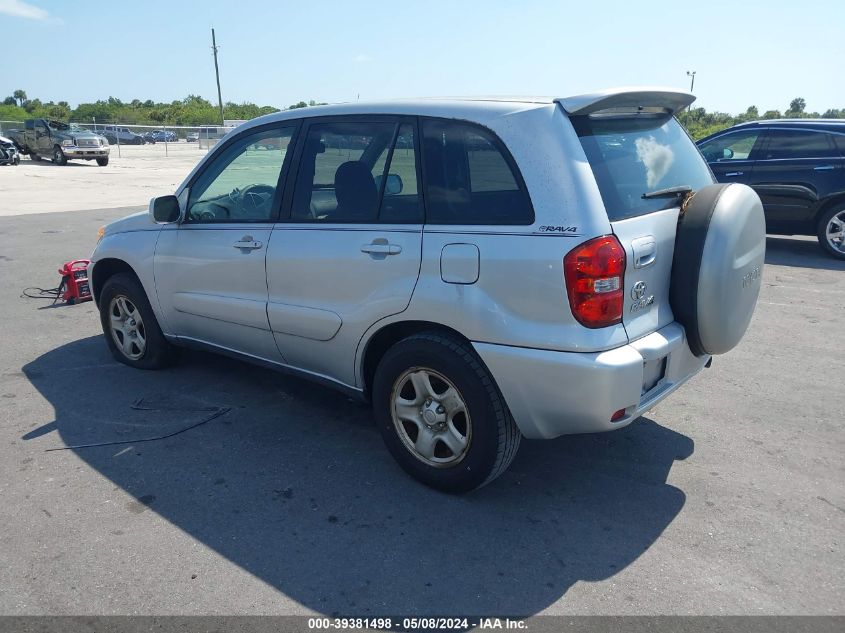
(730, 155)
(349, 253)
(43, 142)
(210, 269)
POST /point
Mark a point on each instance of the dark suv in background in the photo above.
(796, 166)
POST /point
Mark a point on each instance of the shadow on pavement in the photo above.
(295, 486)
(786, 251)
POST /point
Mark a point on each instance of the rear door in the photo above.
(631, 156)
(795, 170)
(349, 253)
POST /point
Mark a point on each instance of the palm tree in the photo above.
(20, 95)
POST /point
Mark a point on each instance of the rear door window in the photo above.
(784, 144)
(470, 177)
(341, 171)
(637, 154)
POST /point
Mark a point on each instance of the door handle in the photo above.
(645, 251)
(823, 168)
(381, 249)
(734, 173)
(247, 243)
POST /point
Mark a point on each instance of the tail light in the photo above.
(594, 281)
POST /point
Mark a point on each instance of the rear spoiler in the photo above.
(670, 99)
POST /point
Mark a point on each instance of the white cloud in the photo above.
(360, 59)
(20, 9)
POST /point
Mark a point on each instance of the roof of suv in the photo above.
(828, 125)
(485, 108)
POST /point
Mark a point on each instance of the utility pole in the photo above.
(217, 73)
(690, 73)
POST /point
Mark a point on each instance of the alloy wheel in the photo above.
(835, 232)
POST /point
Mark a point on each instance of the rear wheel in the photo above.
(132, 331)
(59, 157)
(33, 156)
(102, 162)
(441, 415)
(831, 232)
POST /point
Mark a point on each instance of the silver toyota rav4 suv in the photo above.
(479, 269)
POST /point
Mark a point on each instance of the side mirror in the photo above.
(392, 186)
(727, 153)
(165, 209)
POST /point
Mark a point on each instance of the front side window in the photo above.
(469, 177)
(734, 146)
(799, 144)
(240, 184)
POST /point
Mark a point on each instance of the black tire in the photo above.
(34, 156)
(494, 437)
(157, 352)
(821, 231)
(102, 162)
(59, 157)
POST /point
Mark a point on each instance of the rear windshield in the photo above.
(638, 154)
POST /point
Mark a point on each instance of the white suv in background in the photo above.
(479, 269)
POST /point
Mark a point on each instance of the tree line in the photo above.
(194, 110)
(700, 123)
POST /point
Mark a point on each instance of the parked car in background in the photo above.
(160, 136)
(60, 141)
(533, 293)
(9, 154)
(123, 135)
(192, 137)
(797, 167)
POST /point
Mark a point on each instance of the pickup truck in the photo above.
(60, 141)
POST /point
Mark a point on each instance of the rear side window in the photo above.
(470, 177)
(637, 154)
(799, 144)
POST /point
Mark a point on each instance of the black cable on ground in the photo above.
(33, 292)
(216, 412)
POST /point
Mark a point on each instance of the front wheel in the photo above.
(831, 232)
(132, 331)
(441, 415)
(59, 157)
(102, 162)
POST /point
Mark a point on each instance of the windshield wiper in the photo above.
(669, 191)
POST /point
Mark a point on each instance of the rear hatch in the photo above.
(635, 152)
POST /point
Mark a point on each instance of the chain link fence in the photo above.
(160, 139)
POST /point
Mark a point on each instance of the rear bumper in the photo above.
(559, 393)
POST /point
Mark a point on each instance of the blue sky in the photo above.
(277, 53)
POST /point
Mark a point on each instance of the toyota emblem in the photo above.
(638, 291)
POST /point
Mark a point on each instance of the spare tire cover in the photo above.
(718, 265)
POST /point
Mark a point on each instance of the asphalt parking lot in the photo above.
(726, 499)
